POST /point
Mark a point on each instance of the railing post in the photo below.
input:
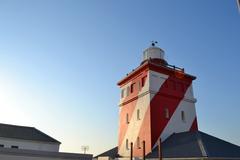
(131, 151)
(160, 149)
(143, 150)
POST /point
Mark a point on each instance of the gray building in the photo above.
(23, 143)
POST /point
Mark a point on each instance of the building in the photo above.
(22, 143)
(157, 106)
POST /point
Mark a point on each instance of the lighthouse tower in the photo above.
(156, 101)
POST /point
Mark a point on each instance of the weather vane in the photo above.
(154, 43)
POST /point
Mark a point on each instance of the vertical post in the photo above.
(143, 150)
(159, 149)
(131, 154)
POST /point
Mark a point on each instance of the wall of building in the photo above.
(137, 101)
(15, 154)
(176, 96)
(29, 145)
(159, 92)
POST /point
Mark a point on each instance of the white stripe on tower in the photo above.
(157, 79)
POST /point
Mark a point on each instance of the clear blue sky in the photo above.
(60, 61)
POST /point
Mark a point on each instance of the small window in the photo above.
(133, 86)
(127, 118)
(166, 113)
(128, 91)
(1, 145)
(138, 114)
(127, 147)
(122, 93)
(144, 81)
(16, 147)
(138, 143)
(183, 116)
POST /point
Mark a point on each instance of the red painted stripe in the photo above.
(168, 96)
(194, 126)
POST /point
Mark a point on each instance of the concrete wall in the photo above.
(29, 145)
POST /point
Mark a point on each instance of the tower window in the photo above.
(183, 116)
(133, 86)
(138, 143)
(138, 114)
(127, 146)
(127, 118)
(166, 112)
(144, 80)
(128, 90)
(122, 93)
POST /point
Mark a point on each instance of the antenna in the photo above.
(85, 149)
(154, 43)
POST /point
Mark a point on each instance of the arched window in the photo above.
(127, 147)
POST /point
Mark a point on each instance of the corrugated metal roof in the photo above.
(24, 133)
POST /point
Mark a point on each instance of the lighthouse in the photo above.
(156, 101)
(157, 106)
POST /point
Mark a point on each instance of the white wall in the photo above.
(18, 154)
(29, 145)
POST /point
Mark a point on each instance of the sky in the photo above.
(60, 61)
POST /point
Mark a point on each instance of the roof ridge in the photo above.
(47, 135)
(219, 139)
(13, 125)
(25, 133)
(201, 144)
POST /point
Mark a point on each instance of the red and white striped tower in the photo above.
(156, 101)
